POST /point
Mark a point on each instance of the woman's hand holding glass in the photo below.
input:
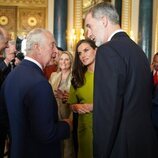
(63, 95)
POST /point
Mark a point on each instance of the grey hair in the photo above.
(70, 56)
(105, 9)
(36, 36)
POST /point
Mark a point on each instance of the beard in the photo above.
(100, 35)
(98, 43)
(100, 40)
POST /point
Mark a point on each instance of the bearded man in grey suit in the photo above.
(122, 90)
(35, 129)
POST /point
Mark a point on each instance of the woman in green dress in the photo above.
(81, 94)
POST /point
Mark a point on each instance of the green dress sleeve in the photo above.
(83, 94)
(72, 96)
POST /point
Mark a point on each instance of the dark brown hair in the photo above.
(79, 70)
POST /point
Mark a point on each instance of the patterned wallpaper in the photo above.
(30, 18)
(19, 18)
(24, 2)
(8, 19)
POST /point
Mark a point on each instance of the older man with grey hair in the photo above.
(122, 124)
(35, 129)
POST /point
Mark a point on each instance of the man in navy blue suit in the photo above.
(35, 129)
(122, 125)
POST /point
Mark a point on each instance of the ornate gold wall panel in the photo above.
(126, 15)
(24, 2)
(156, 33)
(19, 18)
(78, 14)
(87, 4)
(30, 18)
(155, 28)
(8, 18)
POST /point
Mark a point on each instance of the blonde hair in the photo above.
(70, 57)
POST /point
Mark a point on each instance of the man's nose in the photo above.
(53, 54)
(55, 49)
(89, 34)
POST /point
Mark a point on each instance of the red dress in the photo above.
(49, 69)
(155, 78)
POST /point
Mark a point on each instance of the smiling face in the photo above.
(86, 54)
(64, 62)
(96, 29)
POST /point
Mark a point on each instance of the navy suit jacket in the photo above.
(32, 111)
(122, 101)
(4, 70)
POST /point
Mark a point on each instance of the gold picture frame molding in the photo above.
(25, 3)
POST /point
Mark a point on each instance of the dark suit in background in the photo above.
(4, 71)
(32, 109)
(4, 38)
(155, 109)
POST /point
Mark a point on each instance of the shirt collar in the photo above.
(117, 31)
(34, 61)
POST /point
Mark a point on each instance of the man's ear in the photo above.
(37, 48)
(105, 21)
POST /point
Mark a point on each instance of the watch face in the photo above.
(32, 21)
(3, 20)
